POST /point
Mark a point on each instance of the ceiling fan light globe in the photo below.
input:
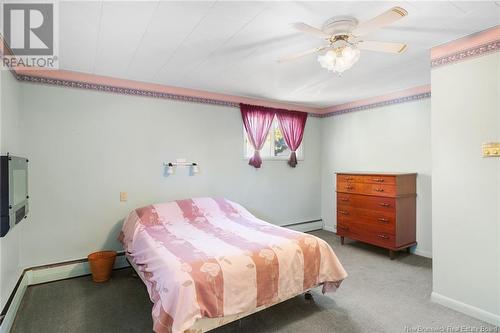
(339, 59)
(340, 63)
(331, 54)
(325, 60)
(350, 53)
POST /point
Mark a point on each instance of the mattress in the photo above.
(211, 258)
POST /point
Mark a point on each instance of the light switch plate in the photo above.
(123, 196)
(491, 149)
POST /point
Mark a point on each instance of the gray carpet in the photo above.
(378, 296)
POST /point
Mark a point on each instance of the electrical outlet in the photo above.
(491, 149)
(123, 196)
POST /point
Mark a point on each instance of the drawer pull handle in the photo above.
(384, 204)
(344, 199)
(349, 187)
(379, 190)
(378, 180)
(343, 212)
(383, 236)
(348, 178)
(383, 220)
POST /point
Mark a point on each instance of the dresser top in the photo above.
(377, 173)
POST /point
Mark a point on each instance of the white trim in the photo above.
(308, 226)
(51, 274)
(470, 310)
(328, 228)
(14, 306)
(422, 253)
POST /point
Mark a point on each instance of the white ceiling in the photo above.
(232, 47)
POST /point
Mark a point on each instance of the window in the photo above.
(275, 147)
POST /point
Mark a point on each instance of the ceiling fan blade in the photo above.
(384, 19)
(382, 46)
(302, 54)
(302, 27)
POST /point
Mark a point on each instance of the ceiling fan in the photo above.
(344, 36)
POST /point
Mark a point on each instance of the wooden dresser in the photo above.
(377, 208)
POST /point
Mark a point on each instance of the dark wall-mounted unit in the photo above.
(13, 191)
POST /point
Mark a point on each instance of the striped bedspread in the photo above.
(207, 257)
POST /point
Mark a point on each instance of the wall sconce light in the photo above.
(194, 169)
(170, 169)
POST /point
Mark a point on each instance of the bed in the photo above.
(208, 261)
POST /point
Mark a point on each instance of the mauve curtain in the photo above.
(292, 124)
(257, 121)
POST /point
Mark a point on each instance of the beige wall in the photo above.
(392, 138)
(466, 187)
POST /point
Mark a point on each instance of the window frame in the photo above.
(299, 152)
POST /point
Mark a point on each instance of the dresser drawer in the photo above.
(345, 212)
(382, 204)
(349, 179)
(342, 228)
(367, 202)
(353, 187)
(346, 199)
(389, 180)
(367, 214)
(367, 220)
(380, 238)
(371, 235)
(385, 224)
(383, 190)
(359, 211)
(367, 189)
(372, 214)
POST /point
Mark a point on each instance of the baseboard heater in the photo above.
(300, 223)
